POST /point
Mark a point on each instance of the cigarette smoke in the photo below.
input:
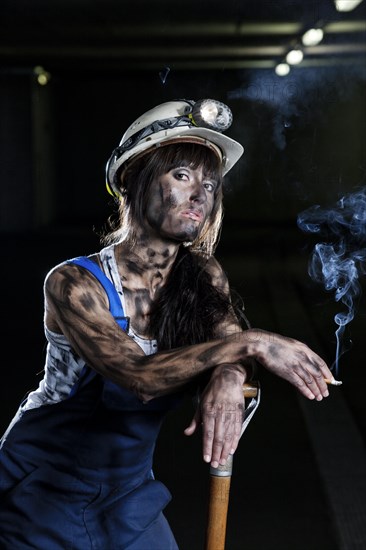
(340, 259)
(301, 98)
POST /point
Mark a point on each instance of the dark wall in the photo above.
(304, 138)
(15, 154)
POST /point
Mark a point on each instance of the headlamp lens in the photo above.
(209, 113)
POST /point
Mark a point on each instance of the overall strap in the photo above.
(115, 306)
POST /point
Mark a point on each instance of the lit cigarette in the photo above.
(333, 382)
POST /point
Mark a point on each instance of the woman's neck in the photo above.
(147, 262)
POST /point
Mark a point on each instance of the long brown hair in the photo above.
(137, 176)
(188, 308)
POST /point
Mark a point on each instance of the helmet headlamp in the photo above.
(209, 113)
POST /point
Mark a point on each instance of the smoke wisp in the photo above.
(339, 258)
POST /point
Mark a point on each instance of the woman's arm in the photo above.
(77, 306)
(285, 357)
(221, 407)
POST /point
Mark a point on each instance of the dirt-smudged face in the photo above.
(180, 202)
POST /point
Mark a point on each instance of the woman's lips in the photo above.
(193, 215)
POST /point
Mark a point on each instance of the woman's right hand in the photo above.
(292, 360)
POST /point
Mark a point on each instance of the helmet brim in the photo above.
(231, 150)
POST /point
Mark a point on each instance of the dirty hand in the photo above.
(220, 414)
(294, 361)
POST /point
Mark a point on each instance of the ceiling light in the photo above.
(282, 69)
(312, 37)
(294, 57)
(42, 76)
(346, 5)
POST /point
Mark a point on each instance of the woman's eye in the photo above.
(181, 176)
(209, 186)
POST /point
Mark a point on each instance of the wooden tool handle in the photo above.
(250, 389)
(217, 512)
(219, 492)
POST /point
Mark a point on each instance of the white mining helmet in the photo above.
(181, 120)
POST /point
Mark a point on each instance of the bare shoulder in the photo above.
(68, 282)
(229, 325)
(214, 269)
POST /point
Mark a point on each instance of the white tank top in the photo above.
(63, 366)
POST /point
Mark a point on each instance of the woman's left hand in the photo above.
(220, 413)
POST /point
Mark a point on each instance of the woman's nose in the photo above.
(198, 193)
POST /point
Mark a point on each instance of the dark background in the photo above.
(300, 473)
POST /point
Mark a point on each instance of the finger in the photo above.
(229, 438)
(312, 386)
(189, 430)
(232, 425)
(320, 370)
(302, 381)
(208, 431)
(325, 370)
(326, 374)
(225, 438)
(221, 434)
(315, 378)
(321, 389)
(196, 420)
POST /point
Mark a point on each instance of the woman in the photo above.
(130, 331)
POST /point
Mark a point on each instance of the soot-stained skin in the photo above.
(173, 196)
(134, 267)
(97, 338)
(142, 272)
(179, 204)
(76, 305)
(168, 202)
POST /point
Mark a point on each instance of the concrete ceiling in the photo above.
(195, 35)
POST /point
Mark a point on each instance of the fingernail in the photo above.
(207, 458)
(214, 464)
(222, 461)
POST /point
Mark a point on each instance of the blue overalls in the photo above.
(77, 474)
